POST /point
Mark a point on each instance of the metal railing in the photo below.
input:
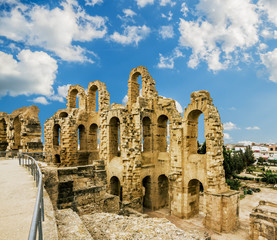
(38, 215)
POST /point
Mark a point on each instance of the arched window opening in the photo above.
(3, 135)
(194, 192)
(17, 132)
(74, 98)
(163, 133)
(196, 133)
(115, 187)
(93, 99)
(114, 137)
(82, 141)
(146, 135)
(93, 137)
(146, 184)
(56, 135)
(63, 114)
(201, 142)
(163, 191)
(57, 158)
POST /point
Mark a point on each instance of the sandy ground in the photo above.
(246, 206)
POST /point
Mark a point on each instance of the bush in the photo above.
(233, 183)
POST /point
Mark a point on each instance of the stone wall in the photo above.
(149, 150)
(263, 221)
(21, 130)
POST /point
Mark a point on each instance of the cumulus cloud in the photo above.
(184, 9)
(143, 3)
(269, 7)
(253, 128)
(93, 2)
(125, 100)
(167, 2)
(30, 73)
(129, 13)
(41, 100)
(229, 126)
(222, 30)
(53, 29)
(168, 62)
(131, 35)
(166, 32)
(269, 59)
(227, 136)
(62, 93)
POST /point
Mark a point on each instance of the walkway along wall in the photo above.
(149, 150)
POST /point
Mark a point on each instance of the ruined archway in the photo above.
(56, 135)
(63, 114)
(57, 158)
(162, 133)
(115, 187)
(82, 140)
(17, 133)
(195, 187)
(163, 187)
(146, 184)
(3, 135)
(146, 135)
(93, 137)
(114, 137)
(72, 97)
(92, 98)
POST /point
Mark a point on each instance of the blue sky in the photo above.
(227, 47)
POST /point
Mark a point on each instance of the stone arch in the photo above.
(82, 139)
(115, 186)
(146, 184)
(56, 134)
(194, 189)
(3, 135)
(114, 137)
(202, 103)
(73, 91)
(57, 159)
(146, 134)
(103, 100)
(17, 133)
(148, 85)
(163, 187)
(93, 137)
(162, 133)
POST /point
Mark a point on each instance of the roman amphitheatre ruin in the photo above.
(125, 159)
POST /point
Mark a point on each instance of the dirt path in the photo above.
(246, 206)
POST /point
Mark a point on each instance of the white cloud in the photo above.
(125, 100)
(269, 59)
(270, 9)
(32, 73)
(41, 100)
(129, 13)
(143, 3)
(245, 143)
(93, 2)
(62, 93)
(179, 107)
(229, 126)
(54, 30)
(165, 2)
(168, 62)
(166, 31)
(169, 17)
(131, 35)
(184, 9)
(221, 30)
(227, 136)
(253, 128)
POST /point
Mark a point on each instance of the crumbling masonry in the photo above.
(21, 130)
(148, 149)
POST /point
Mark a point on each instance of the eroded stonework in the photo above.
(21, 130)
(148, 148)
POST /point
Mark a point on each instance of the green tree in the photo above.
(201, 148)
